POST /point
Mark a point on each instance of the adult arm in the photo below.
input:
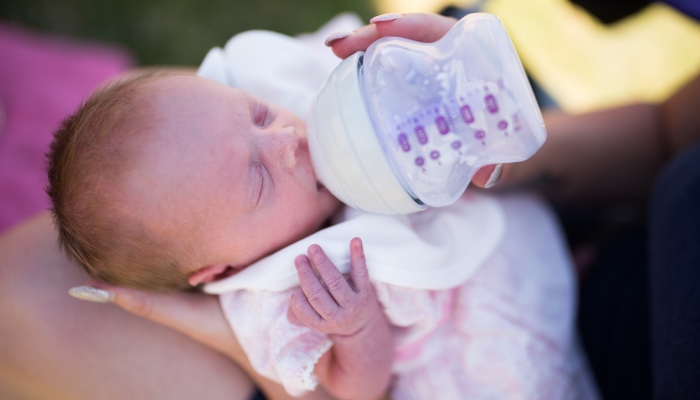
(54, 346)
(613, 154)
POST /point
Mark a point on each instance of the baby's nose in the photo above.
(285, 143)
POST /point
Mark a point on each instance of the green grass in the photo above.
(174, 32)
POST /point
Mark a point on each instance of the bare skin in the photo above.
(58, 347)
(77, 349)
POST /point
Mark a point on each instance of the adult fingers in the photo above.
(303, 311)
(488, 176)
(358, 269)
(314, 291)
(332, 278)
(419, 27)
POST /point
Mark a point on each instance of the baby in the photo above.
(165, 180)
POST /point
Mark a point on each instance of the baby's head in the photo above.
(164, 179)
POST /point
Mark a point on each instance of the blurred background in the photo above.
(174, 31)
(585, 54)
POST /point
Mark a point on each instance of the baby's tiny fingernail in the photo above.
(495, 176)
(89, 293)
(313, 249)
(385, 18)
(336, 36)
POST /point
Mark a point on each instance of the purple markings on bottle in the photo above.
(456, 144)
(479, 134)
(420, 161)
(420, 134)
(403, 142)
(491, 104)
(442, 125)
(516, 122)
(434, 154)
(502, 124)
(467, 115)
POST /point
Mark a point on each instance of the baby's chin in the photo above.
(329, 204)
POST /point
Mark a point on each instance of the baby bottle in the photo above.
(406, 125)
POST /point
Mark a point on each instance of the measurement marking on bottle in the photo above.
(420, 134)
(467, 115)
(502, 124)
(420, 161)
(403, 142)
(491, 104)
(479, 134)
(456, 144)
(434, 154)
(442, 125)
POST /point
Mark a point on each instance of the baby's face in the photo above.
(221, 174)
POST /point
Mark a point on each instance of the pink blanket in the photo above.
(42, 80)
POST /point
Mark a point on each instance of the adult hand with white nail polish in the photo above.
(420, 27)
(359, 363)
(196, 315)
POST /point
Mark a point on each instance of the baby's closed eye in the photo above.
(262, 114)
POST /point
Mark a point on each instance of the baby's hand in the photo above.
(339, 308)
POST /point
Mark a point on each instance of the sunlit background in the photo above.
(586, 54)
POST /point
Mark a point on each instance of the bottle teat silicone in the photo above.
(407, 124)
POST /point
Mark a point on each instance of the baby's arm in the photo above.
(358, 366)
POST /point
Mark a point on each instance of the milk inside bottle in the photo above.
(406, 125)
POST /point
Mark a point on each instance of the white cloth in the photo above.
(277, 68)
(432, 250)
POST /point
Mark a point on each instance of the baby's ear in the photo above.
(207, 274)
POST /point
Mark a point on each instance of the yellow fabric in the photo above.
(416, 6)
(586, 65)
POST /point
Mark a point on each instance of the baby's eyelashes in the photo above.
(257, 186)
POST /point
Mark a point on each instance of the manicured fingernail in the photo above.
(359, 243)
(336, 36)
(89, 293)
(313, 249)
(495, 176)
(385, 18)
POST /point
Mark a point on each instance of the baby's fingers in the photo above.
(315, 293)
(301, 311)
(334, 280)
(358, 268)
